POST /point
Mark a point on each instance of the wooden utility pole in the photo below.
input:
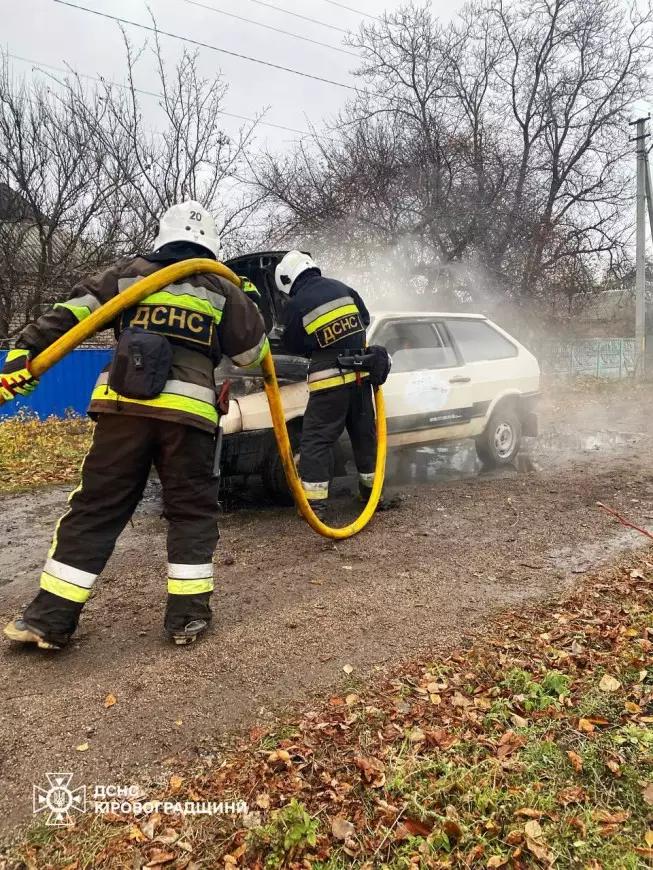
(640, 248)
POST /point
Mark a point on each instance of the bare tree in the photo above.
(88, 180)
(61, 190)
(493, 145)
(190, 155)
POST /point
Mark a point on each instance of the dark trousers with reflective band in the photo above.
(114, 475)
(328, 413)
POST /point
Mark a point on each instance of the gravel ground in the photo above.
(292, 609)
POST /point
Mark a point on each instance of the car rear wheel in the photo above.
(499, 444)
(272, 473)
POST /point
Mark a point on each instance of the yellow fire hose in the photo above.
(104, 315)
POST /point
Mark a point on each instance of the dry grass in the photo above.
(38, 453)
(532, 749)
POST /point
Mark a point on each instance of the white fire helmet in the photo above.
(290, 268)
(188, 222)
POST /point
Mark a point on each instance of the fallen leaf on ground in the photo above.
(509, 743)
(648, 838)
(149, 826)
(575, 794)
(280, 755)
(540, 851)
(175, 782)
(263, 801)
(576, 760)
(533, 829)
(498, 861)
(416, 735)
(401, 833)
(110, 700)
(453, 830)
(417, 828)
(348, 669)
(529, 813)
(83, 747)
(608, 818)
(372, 771)
(609, 684)
(441, 738)
(585, 725)
(168, 836)
(647, 794)
(157, 857)
(342, 829)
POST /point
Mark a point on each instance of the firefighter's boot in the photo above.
(49, 622)
(319, 508)
(385, 504)
(187, 617)
(23, 632)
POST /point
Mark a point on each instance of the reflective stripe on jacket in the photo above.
(324, 316)
(204, 316)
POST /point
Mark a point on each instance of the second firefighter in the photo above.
(325, 319)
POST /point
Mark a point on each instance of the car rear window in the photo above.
(416, 345)
(477, 340)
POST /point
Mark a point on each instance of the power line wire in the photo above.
(351, 9)
(37, 65)
(269, 27)
(188, 39)
(297, 15)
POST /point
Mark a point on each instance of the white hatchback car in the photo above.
(454, 377)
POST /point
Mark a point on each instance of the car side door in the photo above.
(492, 360)
(428, 392)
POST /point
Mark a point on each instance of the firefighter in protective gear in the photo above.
(324, 320)
(202, 317)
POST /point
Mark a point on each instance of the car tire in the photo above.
(499, 444)
(272, 473)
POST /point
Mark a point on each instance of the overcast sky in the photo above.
(50, 33)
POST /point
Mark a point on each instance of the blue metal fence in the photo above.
(65, 389)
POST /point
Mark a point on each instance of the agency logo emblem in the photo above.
(59, 800)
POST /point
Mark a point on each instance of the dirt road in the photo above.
(291, 609)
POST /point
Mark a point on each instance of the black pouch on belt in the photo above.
(141, 364)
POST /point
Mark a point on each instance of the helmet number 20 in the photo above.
(195, 216)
